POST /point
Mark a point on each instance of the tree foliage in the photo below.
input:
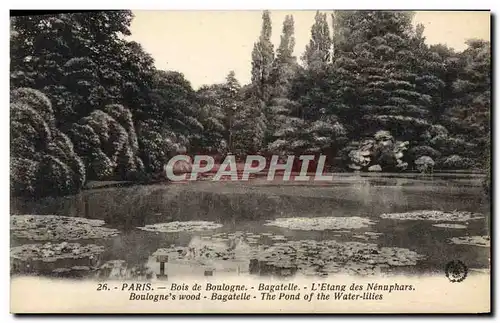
(369, 92)
(43, 161)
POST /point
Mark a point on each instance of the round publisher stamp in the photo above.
(456, 271)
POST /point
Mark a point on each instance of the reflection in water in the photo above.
(204, 256)
(243, 209)
(236, 255)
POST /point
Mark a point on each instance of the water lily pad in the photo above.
(369, 235)
(49, 252)
(54, 227)
(321, 223)
(481, 241)
(373, 234)
(284, 258)
(450, 225)
(61, 270)
(429, 215)
(178, 226)
(326, 257)
(73, 272)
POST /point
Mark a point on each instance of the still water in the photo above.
(244, 208)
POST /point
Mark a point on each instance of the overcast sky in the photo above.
(206, 45)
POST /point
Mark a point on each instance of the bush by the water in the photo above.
(107, 142)
(383, 150)
(456, 162)
(43, 161)
(424, 164)
(419, 151)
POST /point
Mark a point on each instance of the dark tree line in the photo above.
(369, 93)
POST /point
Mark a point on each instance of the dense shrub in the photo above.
(383, 150)
(157, 145)
(108, 143)
(36, 100)
(23, 174)
(456, 162)
(424, 164)
(416, 152)
(43, 161)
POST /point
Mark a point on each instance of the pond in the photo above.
(260, 228)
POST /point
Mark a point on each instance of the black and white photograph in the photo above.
(258, 161)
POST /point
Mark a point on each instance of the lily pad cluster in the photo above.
(182, 226)
(481, 241)
(221, 252)
(54, 227)
(311, 257)
(321, 223)
(50, 252)
(205, 249)
(245, 237)
(450, 225)
(367, 235)
(72, 270)
(433, 215)
(308, 257)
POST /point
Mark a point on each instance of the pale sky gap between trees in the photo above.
(206, 45)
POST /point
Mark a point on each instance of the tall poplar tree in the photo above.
(285, 68)
(262, 60)
(319, 50)
(285, 65)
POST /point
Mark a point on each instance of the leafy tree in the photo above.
(299, 136)
(372, 74)
(250, 125)
(69, 57)
(319, 50)
(43, 161)
(262, 60)
(174, 104)
(132, 80)
(213, 117)
(372, 65)
(107, 143)
(469, 116)
(231, 104)
(285, 66)
(157, 144)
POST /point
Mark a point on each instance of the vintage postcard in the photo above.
(250, 161)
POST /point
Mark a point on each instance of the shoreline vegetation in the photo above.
(87, 105)
(262, 175)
